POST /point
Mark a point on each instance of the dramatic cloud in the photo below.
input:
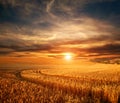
(88, 28)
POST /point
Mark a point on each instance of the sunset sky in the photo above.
(47, 29)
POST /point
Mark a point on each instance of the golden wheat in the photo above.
(60, 86)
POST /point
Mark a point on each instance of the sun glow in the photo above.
(68, 56)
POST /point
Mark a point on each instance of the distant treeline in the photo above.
(107, 60)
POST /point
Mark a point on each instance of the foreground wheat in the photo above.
(95, 87)
(14, 91)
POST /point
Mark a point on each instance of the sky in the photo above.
(89, 29)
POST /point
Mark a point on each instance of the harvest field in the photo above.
(43, 84)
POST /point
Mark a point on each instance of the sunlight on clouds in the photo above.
(82, 45)
(37, 38)
(85, 29)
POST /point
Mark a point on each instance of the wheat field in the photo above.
(40, 84)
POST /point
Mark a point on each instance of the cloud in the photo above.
(84, 37)
(21, 12)
(110, 60)
(49, 6)
(54, 26)
(5, 51)
(107, 48)
(19, 46)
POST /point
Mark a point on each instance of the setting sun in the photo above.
(68, 56)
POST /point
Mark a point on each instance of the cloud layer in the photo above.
(50, 27)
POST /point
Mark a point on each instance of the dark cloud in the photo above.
(23, 16)
(11, 43)
(20, 11)
(5, 52)
(35, 48)
(107, 48)
(108, 60)
(8, 45)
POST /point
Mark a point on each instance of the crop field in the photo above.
(60, 84)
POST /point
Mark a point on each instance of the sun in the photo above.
(68, 56)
